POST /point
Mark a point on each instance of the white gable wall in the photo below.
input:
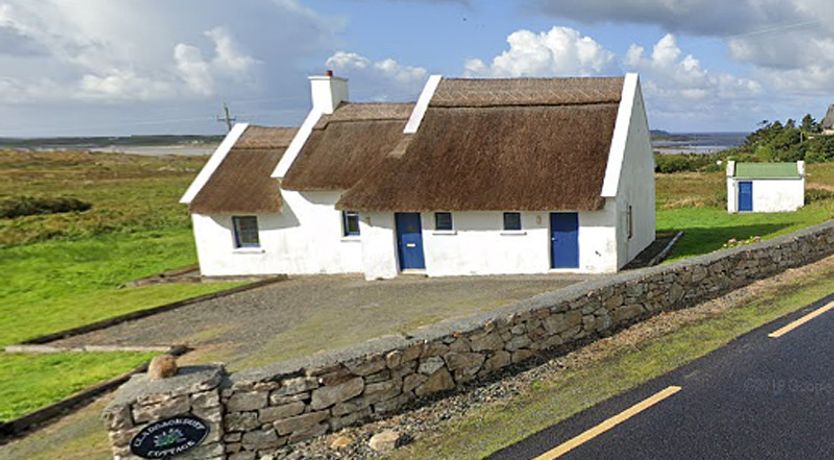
(305, 238)
(636, 187)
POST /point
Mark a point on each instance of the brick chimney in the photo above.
(328, 91)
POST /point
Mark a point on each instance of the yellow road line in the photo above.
(795, 324)
(577, 441)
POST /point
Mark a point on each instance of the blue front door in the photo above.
(745, 196)
(410, 240)
(564, 240)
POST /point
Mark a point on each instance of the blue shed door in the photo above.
(409, 240)
(745, 196)
(564, 240)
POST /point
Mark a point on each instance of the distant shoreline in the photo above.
(663, 142)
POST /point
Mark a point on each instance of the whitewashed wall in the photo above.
(636, 187)
(769, 195)
(479, 246)
(306, 238)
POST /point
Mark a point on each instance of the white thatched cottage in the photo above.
(765, 187)
(495, 176)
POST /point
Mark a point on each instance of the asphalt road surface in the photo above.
(758, 397)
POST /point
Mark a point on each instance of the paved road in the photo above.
(758, 397)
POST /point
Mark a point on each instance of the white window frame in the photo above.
(239, 232)
(346, 233)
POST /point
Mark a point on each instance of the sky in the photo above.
(101, 67)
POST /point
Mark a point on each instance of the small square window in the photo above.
(512, 221)
(443, 221)
(350, 223)
(246, 232)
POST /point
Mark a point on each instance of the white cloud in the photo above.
(194, 69)
(700, 17)
(200, 75)
(155, 60)
(121, 85)
(675, 77)
(678, 88)
(388, 78)
(559, 51)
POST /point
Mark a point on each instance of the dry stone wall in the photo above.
(267, 408)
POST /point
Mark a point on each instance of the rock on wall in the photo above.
(269, 407)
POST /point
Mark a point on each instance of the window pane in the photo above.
(350, 223)
(443, 221)
(246, 231)
(512, 221)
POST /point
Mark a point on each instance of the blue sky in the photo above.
(97, 67)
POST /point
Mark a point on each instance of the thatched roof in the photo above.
(346, 145)
(491, 92)
(512, 145)
(242, 182)
(828, 121)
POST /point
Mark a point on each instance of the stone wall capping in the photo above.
(190, 379)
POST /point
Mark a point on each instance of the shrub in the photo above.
(818, 194)
(672, 163)
(30, 205)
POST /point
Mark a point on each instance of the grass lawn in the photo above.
(695, 203)
(64, 270)
(30, 382)
(491, 427)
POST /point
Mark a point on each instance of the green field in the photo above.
(696, 204)
(65, 270)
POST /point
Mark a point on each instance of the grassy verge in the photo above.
(78, 436)
(30, 382)
(489, 428)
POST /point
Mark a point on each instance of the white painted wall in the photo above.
(636, 185)
(305, 238)
(479, 246)
(769, 195)
(379, 245)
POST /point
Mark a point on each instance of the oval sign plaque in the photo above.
(169, 437)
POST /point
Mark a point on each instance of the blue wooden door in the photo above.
(410, 240)
(745, 196)
(564, 240)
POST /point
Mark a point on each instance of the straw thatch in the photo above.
(491, 92)
(346, 145)
(242, 182)
(495, 158)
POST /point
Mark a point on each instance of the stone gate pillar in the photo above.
(181, 414)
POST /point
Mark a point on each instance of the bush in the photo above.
(818, 194)
(29, 206)
(682, 162)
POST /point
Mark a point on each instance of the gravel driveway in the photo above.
(309, 314)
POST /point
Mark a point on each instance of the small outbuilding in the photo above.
(765, 187)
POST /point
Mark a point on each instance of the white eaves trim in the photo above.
(422, 104)
(297, 143)
(616, 155)
(211, 165)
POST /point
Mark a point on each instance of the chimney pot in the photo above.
(329, 73)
